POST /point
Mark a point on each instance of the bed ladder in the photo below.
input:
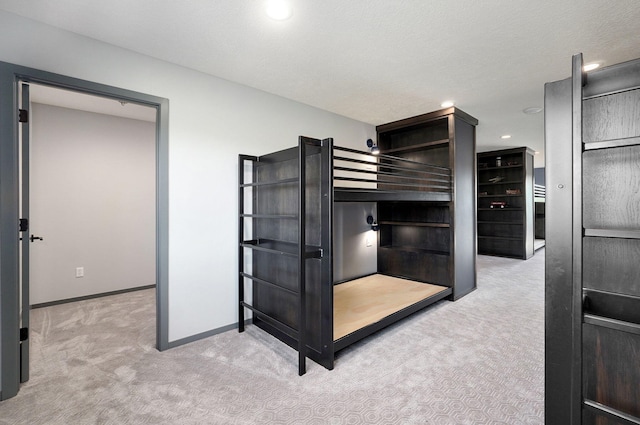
(298, 250)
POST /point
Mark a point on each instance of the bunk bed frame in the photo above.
(286, 205)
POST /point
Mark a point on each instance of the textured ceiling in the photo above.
(373, 60)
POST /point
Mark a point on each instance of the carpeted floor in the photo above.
(479, 360)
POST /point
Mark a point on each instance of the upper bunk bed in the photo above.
(361, 176)
(286, 234)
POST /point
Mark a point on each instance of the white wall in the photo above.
(93, 202)
(354, 243)
(211, 121)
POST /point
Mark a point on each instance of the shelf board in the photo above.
(415, 249)
(419, 146)
(270, 216)
(279, 247)
(499, 168)
(613, 233)
(515, 223)
(505, 238)
(413, 223)
(612, 143)
(270, 182)
(500, 209)
(501, 182)
(498, 196)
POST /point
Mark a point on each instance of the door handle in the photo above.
(33, 238)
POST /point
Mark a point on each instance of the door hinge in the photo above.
(24, 334)
(24, 224)
(23, 115)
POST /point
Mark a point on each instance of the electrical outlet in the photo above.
(79, 271)
(367, 240)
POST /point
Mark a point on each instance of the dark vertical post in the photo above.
(326, 182)
(578, 80)
(558, 254)
(302, 240)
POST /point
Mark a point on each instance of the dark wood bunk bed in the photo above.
(423, 186)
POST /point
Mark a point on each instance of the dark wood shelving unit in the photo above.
(506, 230)
(432, 241)
(592, 143)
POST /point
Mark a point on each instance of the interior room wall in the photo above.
(354, 242)
(92, 201)
(211, 121)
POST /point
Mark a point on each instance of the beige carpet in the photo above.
(479, 360)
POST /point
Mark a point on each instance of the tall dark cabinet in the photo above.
(592, 143)
(505, 203)
(432, 241)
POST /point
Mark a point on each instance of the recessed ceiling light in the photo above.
(506, 136)
(447, 104)
(590, 67)
(532, 110)
(279, 10)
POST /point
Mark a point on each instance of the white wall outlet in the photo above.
(79, 271)
(367, 240)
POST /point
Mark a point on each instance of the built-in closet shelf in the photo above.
(270, 216)
(417, 147)
(613, 143)
(413, 223)
(415, 249)
(508, 230)
(279, 247)
(611, 233)
(500, 182)
(504, 238)
(271, 182)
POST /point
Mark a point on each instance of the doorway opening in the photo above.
(91, 186)
(14, 333)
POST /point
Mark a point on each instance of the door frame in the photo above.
(10, 76)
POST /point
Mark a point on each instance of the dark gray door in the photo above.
(24, 234)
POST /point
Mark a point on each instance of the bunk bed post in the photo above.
(302, 311)
(326, 190)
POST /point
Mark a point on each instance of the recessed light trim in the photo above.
(506, 136)
(590, 67)
(447, 104)
(279, 10)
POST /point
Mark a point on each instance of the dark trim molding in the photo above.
(207, 334)
(90, 297)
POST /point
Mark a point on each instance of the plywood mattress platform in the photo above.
(362, 302)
